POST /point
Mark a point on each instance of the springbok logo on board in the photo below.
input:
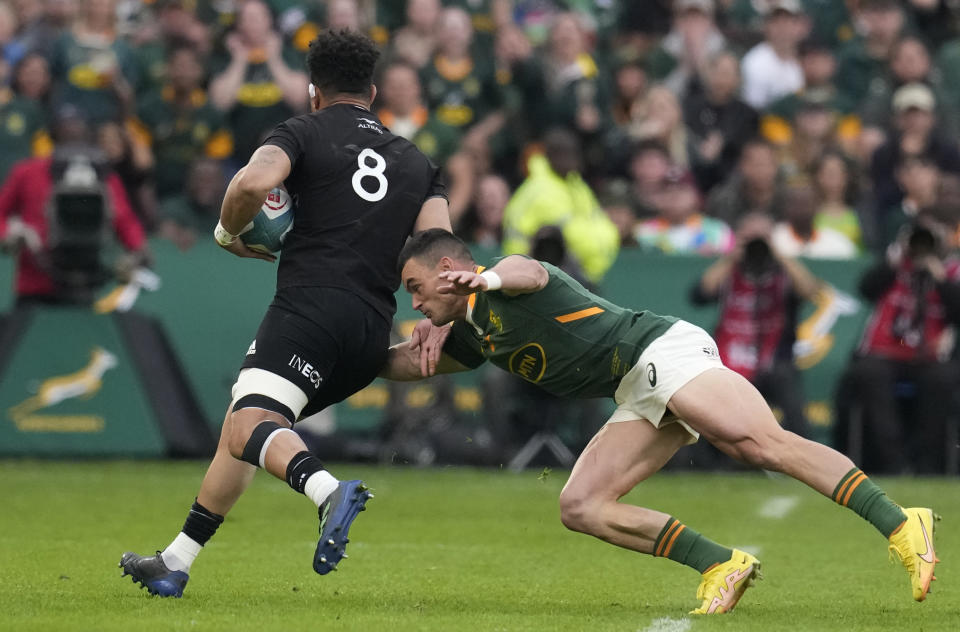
(82, 384)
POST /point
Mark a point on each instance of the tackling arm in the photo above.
(403, 364)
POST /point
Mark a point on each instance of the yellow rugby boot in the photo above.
(724, 584)
(912, 542)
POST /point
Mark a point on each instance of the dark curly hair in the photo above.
(342, 61)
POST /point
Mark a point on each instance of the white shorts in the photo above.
(682, 353)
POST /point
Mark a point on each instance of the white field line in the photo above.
(749, 548)
(777, 507)
(666, 624)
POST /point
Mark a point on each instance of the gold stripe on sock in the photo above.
(666, 551)
(845, 484)
(859, 479)
(666, 535)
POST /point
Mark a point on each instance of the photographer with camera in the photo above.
(760, 292)
(56, 216)
(909, 340)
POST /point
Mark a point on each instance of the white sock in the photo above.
(319, 486)
(181, 553)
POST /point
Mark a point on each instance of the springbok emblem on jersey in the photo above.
(84, 383)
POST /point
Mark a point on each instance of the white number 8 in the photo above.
(364, 170)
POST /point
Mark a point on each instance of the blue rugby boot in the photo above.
(336, 516)
(152, 574)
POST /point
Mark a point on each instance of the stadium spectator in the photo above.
(175, 26)
(815, 130)
(23, 118)
(760, 293)
(755, 185)
(648, 167)
(26, 201)
(575, 96)
(919, 179)
(680, 227)
(179, 124)
(617, 202)
(948, 66)
(11, 49)
(771, 69)
(916, 133)
(683, 54)
(257, 86)
(830, 21)
(819, 66)
(401, 108)
(915, 289)
(909, 63)
(630, 84)
(836, 193)
(41, 23)
(483, 222)
(458, 87)
(798, 235)
(661, 120)
(522, 81)
(718, 120)
(93, 68)
(863, 60)
(554, 194)
(133, 163)
(185, 218)
(416, 41)
(31, 79)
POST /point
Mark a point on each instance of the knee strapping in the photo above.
(255, 450)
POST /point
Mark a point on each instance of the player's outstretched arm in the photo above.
(512, 275)
(268, 168)
(403, 364)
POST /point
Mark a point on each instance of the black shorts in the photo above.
(326, 342)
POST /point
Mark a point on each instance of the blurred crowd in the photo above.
(753, 130)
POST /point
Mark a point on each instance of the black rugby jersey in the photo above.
(358, 190)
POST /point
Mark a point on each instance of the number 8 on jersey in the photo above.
(364, 170)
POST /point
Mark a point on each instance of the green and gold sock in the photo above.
(857, 492)
(682, 544)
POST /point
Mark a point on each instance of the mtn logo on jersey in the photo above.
(651, 374)
(365, 123)
(529, 362)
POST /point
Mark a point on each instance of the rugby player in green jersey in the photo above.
(669, 383)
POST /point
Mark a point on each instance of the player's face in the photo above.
(422, 282)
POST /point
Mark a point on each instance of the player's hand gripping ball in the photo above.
(270, 226)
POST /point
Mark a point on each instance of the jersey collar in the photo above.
(471, 303)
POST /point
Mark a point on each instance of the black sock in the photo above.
(201, 523)
(301, 467)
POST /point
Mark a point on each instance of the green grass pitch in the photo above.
(449, 549)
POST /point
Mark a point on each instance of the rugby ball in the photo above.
(270, 226)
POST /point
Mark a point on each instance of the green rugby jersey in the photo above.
(563, 338)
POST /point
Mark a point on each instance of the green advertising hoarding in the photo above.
(211, 303)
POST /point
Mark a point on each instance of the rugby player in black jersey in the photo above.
(359, 192)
